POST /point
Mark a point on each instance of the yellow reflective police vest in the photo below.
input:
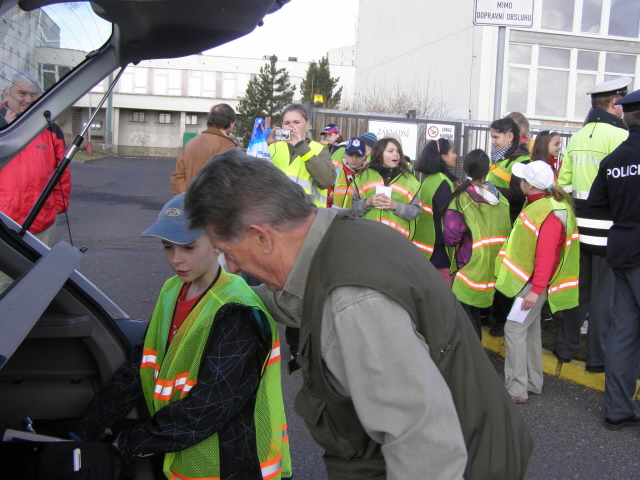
(515, 262)
(500, 172)
(474, 284)
(403, 189)
(296, 169)
(169, 372)
(343, 191)
(425, 233)
(585, 150)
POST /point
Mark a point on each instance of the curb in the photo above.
(573, 371)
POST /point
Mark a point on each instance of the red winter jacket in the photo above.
(25, 176)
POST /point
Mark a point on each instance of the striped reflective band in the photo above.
(370, 186)
(529, 224)
(580, 195)
(423, 246)
(561, 286)
(395, 226)
(285, 433)
(483, 242)
(498, 172)
(310, 187)
(149, 359)
(165, 388)
(307, 156)
(591, 240)
(591, 223)
(274, 357)
(568, 189)
(336, 164)
(271, 468)
(340, 190)
(405, 192)
(306, 184)
(574, 236)
(475, 285)
(426, 208)
(514, 268)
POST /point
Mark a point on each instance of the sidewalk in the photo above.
(573, 371)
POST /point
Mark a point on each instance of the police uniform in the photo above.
(602, 133)
(615, 189)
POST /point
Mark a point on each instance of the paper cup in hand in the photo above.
(384, 190)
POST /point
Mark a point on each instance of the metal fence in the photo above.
(468, 134)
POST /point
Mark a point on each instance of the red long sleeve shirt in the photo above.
(550, 243)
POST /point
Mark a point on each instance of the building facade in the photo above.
(573, 45)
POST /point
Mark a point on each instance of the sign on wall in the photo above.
(441, 130)
(516, 13)
(408, 133)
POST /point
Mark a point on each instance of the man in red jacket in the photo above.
(23, 178)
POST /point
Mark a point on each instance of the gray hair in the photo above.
(234, 190)
(22, 77)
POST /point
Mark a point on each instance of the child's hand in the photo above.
(529, 300)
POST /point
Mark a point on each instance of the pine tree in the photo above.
(318, 81)
(266, 96)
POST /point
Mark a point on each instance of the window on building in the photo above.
(553, 77)
(586, 76)
(558, 15)
(140, 80)
(95, 125)
(293, 59)
(229, 85)
(624, 18)
(191, 119)
(126, 81)
(619, 65)
(194, 85)
(591, 16)
(209, 84)
(137, 117)
(48, 75)
(519, 69)
(353, 63)
(167, 81)
(164, 118)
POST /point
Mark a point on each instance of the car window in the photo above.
(39, 47)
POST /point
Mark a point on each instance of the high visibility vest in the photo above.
(500, 172)
(585, 150)
(337, 156)
(296, 169)
(515, 262)
(425, 228)
(343, 191)
(168, 373)
(403, 189)
(474, 284)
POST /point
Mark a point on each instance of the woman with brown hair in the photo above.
(386, 190)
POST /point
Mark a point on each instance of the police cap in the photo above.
(616, 86)
(631, 102)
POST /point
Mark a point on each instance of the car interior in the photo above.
(61, 338)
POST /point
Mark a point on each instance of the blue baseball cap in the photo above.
(172, 224)
(355, 145)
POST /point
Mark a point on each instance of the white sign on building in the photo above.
(441, 130)
(515, 13)
(408, 133)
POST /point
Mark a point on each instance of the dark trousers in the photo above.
(623, 346)
(596, 298)
(474, 315)
(500, 308)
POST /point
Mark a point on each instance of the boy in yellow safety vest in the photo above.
(208, 370)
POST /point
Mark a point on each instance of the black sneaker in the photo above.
(547, 317)
(497, 330)
(632, 421)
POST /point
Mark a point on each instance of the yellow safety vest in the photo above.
(169, 372)
(500, 172)
(296, 169)
(515, 262)
(403, 189)
(425, 235)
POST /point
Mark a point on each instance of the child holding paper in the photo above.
(540, 259)
(386, 190)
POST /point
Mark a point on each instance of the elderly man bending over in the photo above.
(396, 383)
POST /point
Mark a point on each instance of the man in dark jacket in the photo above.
(215, 139)
(615, 190)
(389, 369)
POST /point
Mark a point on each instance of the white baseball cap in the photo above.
(537, 173)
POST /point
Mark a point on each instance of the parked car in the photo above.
(61, 338)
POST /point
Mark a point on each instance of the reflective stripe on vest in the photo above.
(271, 468)
(475, 286)
(591, 223)
(500, 173)
(487, 241)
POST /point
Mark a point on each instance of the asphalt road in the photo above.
(114, 199)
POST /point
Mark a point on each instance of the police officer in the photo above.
(604, 130)
(616, 189)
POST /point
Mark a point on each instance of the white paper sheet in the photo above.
(517, 314)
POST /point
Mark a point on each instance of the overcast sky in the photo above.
(302, 28)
